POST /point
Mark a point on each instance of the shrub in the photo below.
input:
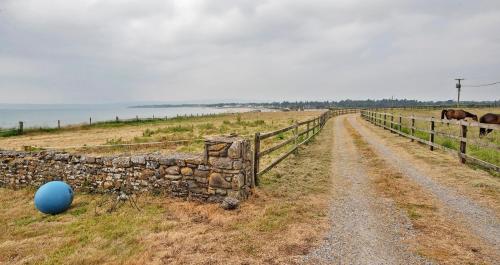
(206, 126)
(114, 141)
(176, 129)
(147, 133)
(9, 133)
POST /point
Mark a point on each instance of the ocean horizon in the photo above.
(47, 115)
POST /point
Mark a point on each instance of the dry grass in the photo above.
(438, 237)
(281, 222)
(140, 132)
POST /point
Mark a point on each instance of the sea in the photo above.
(47, 115)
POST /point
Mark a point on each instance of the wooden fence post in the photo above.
(412, 127)
(256, 158)
(463, 143)
(308, 129)
(296, 136)
(90, 121)
(21, 127)
(400, 123)
(206, 154)
(385, 120)
(58, 124)
(392, 122)
(431, 135)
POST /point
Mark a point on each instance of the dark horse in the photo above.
(459, 114)
(488, 118)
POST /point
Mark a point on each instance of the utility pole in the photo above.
(459, 86)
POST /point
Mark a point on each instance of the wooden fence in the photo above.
(396, 124)
(22, 128)
(303, 132)
(447, 106)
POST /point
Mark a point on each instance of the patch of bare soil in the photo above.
(442, 235)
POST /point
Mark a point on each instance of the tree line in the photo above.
(348, 103)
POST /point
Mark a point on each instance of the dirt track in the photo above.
(366, 229)
(370, 229)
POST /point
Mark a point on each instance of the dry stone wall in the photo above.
(224, 169)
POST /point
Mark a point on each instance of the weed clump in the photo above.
(115, 141)
(148, 133)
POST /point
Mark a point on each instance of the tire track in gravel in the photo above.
(366, 229)
(479, 220)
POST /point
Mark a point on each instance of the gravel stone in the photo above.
(230, 203)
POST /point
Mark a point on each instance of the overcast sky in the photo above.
(97, 51)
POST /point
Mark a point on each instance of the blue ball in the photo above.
(53, 197)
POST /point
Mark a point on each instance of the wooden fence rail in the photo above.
(440, 106)
(304, 131)
(381, 119)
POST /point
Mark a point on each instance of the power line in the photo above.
(490, 84)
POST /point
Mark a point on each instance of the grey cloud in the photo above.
(115, 50)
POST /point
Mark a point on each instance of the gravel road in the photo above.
(366, 229)
(479, 220)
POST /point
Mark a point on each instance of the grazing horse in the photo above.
(459, 114)
(489, 118)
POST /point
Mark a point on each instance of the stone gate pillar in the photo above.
(230, 163)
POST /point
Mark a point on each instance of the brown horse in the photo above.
(489, 118)
(459, 114)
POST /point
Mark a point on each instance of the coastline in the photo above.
(48, 116)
